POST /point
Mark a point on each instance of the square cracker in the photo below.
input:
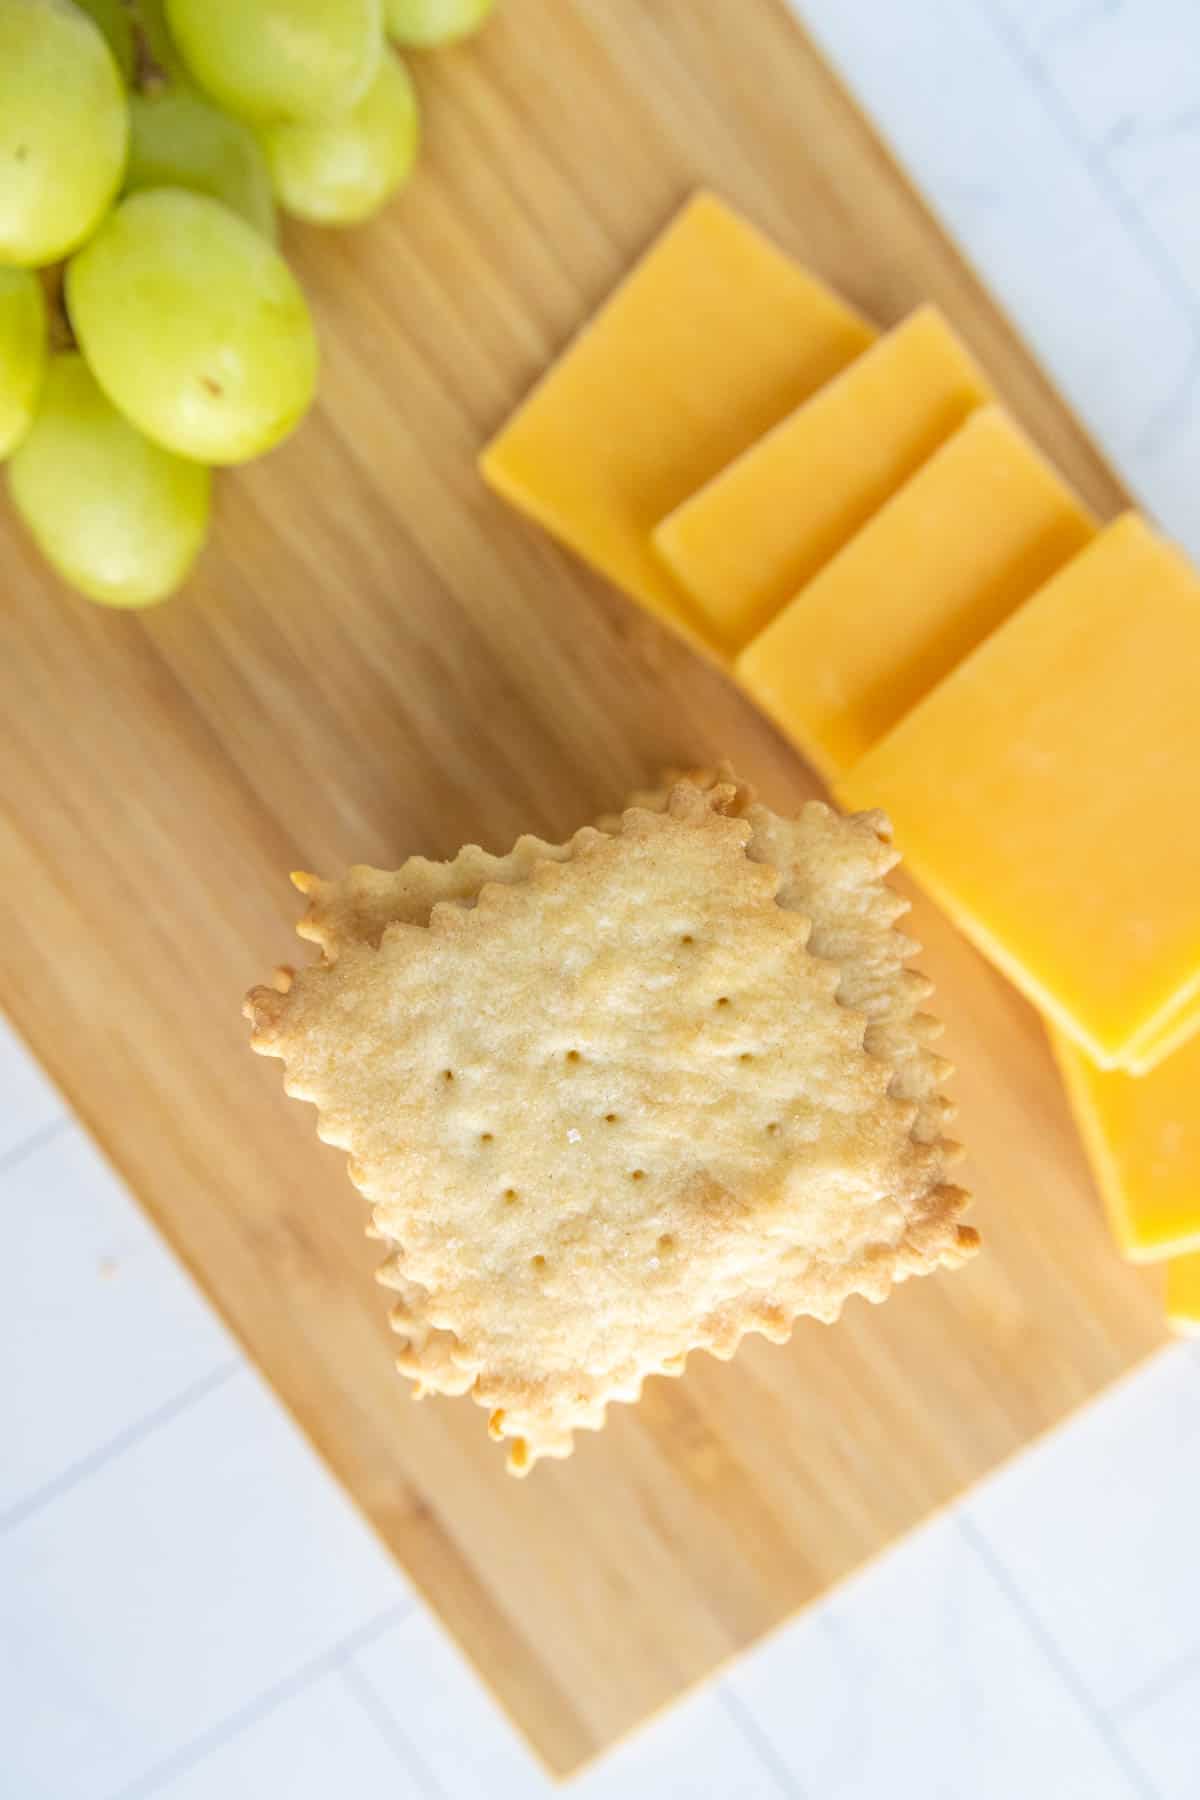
(617, 1108)
(834, 871)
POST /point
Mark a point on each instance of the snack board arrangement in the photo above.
(377, 659)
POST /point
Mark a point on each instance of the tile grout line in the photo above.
(329, 1662)
(1138, 228)
(1101, 1722)
(1162, 1683)
(1133, 221)
(145, 1427)
(1089, 10)
(758, 1741)
(18, 1153)
(366, 1696)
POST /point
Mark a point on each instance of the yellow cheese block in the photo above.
(748, 541)
(976, 531)
(713, 337)
(1048, 791)
(1143, 1141)
(1183, 1293)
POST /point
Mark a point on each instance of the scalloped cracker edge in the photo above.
(623, 1098)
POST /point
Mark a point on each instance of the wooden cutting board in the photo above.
(376, 659)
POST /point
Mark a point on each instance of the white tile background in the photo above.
(190, 1610)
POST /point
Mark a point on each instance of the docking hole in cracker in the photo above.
(623, 1098)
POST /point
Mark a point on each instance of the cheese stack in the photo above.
(853, 525)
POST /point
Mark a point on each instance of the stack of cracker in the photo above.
(622, 1098)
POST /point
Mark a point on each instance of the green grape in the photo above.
(194, 326)
(112, 16)
(64, 126)
(338, 171)
(280, 59)
(427, 24)
(119, 518)
(179, 139)
(22, 353)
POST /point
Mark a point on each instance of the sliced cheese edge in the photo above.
(712, 337)
(977, 530)
(1142, 1137)
(1183, 1294)
(1173, 1028)
(1047, 790)
(746, 542)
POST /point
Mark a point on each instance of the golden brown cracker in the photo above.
(358, 906)
(835, 872)
(616, 1110)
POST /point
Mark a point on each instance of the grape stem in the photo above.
(58, 324)
(149, 76)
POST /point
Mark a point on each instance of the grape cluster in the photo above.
(149, 327)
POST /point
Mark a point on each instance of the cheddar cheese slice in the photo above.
(976, 531)
(1183, 1293)
(749, 540)
(1143, 1141)
(1048, 791)
(714, 337)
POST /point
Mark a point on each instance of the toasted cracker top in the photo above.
(618, 1108)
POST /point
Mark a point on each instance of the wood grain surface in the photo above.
(375, 659)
